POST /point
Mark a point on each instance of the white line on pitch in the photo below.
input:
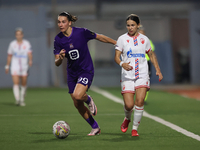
(157, 119)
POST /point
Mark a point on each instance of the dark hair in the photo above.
(69, 16)
(134, 18)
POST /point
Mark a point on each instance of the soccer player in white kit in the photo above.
(19, 59)
(132, 47)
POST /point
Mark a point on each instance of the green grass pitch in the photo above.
(30, 127)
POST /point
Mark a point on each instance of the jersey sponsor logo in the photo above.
(74, 54)
(142, 40)
(130, 54)
(20, 55)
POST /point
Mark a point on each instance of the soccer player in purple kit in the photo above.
(71, 43)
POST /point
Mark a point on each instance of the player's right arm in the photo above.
(9, 57)
(126, 66)
(59, 57)
(118, 52)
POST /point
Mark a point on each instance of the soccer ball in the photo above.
(61, 129)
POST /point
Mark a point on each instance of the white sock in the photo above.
(16, 91)
(23, 92)
(128, 113)
(137, 116)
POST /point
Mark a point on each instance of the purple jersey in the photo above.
(77, 52)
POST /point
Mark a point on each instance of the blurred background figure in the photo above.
(19, 60)
(142, 31)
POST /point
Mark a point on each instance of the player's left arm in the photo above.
(105, 39)
(30, 59)
(154, 61)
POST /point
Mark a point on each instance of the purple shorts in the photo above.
(83, 78)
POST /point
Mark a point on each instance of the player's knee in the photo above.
(128, 107)
(140, 103)
(77, 96)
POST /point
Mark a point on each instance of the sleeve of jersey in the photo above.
(89, 34)
(119, 45)
(56, 47)
(148, 46)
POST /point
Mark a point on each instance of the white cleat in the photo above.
(22, 104)
(94, 132)
(92, 107)
(17, 103)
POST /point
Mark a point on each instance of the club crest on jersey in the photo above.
(71, 45)
(127, 41)
(142, 40)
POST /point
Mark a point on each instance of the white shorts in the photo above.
(18, 72)
(129, 86)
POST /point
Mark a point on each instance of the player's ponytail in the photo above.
(69, 16)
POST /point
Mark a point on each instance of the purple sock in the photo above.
(88, 100)
(92, 122)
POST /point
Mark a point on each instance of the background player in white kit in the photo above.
(20, 58)
(132, 47)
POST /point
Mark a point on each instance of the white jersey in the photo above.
(19, 53)
(133, 50)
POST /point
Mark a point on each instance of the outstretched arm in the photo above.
(105, 39)
(154, 61)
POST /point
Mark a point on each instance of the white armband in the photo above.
(6, 67)
(57, 59)
(121, 63)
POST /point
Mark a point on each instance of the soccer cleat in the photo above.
(17, 103)
(134, 133)
(124, 126)
(96, 131)
(22, 104)
(92, 107)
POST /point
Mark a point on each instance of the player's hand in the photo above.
(127, 67)
(159, 74)
(7, 71)
(62, 54)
